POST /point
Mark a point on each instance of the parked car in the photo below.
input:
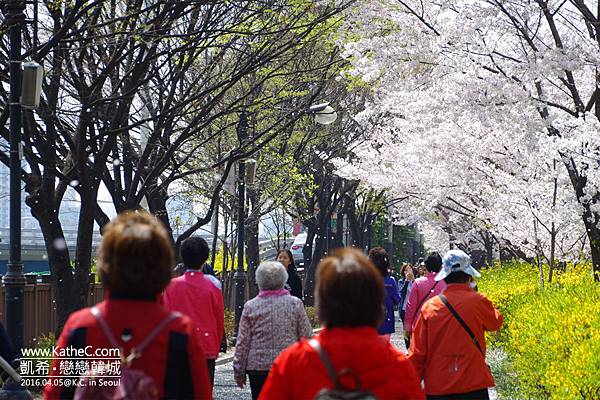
(298, 248)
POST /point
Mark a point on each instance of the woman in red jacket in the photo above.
(134, 263)
(349, 296)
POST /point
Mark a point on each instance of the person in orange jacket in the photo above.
(349, 297)
(449, 355)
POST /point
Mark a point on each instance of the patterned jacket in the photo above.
(268, 325)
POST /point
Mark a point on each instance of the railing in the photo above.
(40, 300)
(40, 307)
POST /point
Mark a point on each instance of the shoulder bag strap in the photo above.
(136, 352)
(314, 343)
(162, 325)
(105, 328)
(461, 321)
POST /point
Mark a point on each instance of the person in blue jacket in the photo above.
(379, 257)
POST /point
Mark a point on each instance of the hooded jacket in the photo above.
(298, 372)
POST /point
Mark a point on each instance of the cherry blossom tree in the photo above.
(486, 115)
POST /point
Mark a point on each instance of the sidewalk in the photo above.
(227, 357)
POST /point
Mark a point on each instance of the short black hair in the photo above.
(194, 252)
(380, 259)
(457, 277)
(433, 262)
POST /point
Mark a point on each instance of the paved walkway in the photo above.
(225, 387)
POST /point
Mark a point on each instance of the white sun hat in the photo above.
(456, 261)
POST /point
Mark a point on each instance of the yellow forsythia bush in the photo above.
(231, 263)
(311, 312)
(551, 335)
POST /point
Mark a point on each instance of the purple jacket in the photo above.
(392, 297)
(422, 290)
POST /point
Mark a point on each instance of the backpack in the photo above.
(339, 391)
(132, 384)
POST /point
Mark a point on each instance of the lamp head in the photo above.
(315, 108)
(31, 84)
(324, 113)
(250, 171)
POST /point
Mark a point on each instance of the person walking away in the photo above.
(293, 284)
(198, 296)
(270, 322)
(448, 342)
(423, 289)
(134, 264)
(404, 288)
(349, 300)
(380, 259)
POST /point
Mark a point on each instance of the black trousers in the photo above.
(475, 395)
(257, 380)
(210, 365)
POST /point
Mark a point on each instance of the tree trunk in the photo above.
(538, 251)
(252, 249)
(488, 243)
(553, 228)
(215, 233)
(357, 229)
(315, 256)
(593, 234)
(63, 280)
(590, 218)
(338, 239)
(85, 233)
(158, 206)
(369, 234)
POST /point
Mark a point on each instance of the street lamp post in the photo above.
(240, 275)
(324, 115)
(14, 280)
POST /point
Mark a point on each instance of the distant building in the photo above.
(33, 248)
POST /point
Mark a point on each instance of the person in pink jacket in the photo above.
(196, 296)
(422, 290)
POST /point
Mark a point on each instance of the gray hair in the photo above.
(271, 275)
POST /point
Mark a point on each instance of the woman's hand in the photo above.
(241, 381)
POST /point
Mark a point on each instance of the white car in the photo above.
(298, 247)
